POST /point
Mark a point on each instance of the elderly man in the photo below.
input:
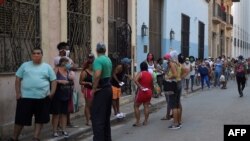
(102, 92)
(33, 94)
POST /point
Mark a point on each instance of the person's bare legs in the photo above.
(176, 116)
(118, 105)
(146, 113)
(137, 113)
(17, 131)
(63, 121)
(38, 128)
(68, 119)
(55, 122)
(87, 110)
(180, 114)
(114, 106)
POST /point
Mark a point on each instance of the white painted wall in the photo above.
(241, 31)
(197, 10)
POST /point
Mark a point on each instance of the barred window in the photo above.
(19, 32)
(79, 29)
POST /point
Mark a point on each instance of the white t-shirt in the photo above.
(57, 59)
(192, 72)
(151, 68)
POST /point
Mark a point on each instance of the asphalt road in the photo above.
(204, 115)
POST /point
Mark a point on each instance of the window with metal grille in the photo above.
(79, 29)
(19, 32)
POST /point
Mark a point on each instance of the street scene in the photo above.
(204, 115)
(109, 70)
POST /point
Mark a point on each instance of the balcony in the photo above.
(224, 16)
(229, 22)
(217, 14)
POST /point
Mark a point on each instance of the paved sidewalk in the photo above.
(126, 107)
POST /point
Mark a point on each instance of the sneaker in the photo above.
(174, 127)
(65, 134)
(118, 115)
(180, 125)
(55, 134)
(123, 115)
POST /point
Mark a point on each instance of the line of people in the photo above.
(42, 90)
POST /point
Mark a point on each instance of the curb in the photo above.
(88, 130)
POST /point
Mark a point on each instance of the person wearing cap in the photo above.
(102, 95)
(120, 71)
(241, 71)
(86, 85)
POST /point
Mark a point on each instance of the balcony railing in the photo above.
(230, 19)
(217, 11)
(223, 16)
(219, 15)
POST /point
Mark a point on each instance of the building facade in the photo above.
(221, 27)
(188, 28)
(25, 24)
(241, 31)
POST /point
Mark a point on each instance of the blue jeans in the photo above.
(217, 78)
(192, 81)
(205, 78)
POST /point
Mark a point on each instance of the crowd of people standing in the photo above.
(42, 90)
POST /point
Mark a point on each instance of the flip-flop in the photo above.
(144, 123)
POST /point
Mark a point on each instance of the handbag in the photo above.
(73, 105)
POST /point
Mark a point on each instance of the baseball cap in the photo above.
(125, 60)
(240, 57)
(100, 46)
(167, 56)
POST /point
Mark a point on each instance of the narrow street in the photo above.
(204, 115)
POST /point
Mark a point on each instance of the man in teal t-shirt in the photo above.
(102, 93)
(33, 93)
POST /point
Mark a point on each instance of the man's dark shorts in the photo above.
(27, 107)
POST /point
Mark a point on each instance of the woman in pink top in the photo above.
(144, 81)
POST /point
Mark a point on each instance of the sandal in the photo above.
(144, 123)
